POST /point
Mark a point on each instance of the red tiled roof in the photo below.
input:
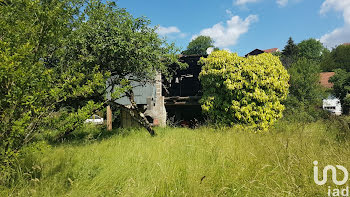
(271, 50)
(324, 77)
(347, 43)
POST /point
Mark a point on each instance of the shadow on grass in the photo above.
(91, 133)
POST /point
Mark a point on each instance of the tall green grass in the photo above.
(184, 162)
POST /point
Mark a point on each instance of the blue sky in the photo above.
(243, 25)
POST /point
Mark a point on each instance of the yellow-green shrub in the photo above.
(238, 90)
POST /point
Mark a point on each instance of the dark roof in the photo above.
(324, 77)
(255, 52)
(259, 51)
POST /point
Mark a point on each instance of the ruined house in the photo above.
(183, 92)
(148, 97)
(176, 100)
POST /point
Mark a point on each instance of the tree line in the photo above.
(305, 61)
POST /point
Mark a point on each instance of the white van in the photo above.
(332, 105)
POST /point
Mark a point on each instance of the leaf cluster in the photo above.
(341, 88)
(239, 90)
(338, 58)
(199, 46)
(305, 88)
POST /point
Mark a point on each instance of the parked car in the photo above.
(94, 119)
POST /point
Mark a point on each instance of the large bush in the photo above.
(238, 90)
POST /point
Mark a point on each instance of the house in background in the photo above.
(273, 50)
(331, 104)
(259, 51)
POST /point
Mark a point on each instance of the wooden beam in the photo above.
(109, 118)
(177, 100)
(183, 98)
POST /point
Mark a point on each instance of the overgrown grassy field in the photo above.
(184, 162)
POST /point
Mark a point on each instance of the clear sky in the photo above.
(243, 25)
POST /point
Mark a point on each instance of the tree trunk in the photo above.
(134, 111)
(138, 115)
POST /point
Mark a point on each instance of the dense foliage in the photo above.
(289, 53)
(243, 90)
(305, 92)
(55, 58)
(304, 81)
(303, 63)
(311, 49)
(124, 46)
(33, 78)
(119, 43)
(338, 58)
(290, 49)
(199, 46)
(341, 88)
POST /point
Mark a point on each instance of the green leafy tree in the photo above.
(339, 58)
(239, 90)
(311, 49)
(34, 79)
(341, 88)
(123, 46)
(304, 83)
(55, 52)
(199, 46)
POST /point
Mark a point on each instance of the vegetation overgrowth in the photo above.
(248, 91)
(206, 161)
(56, 62)
(61, 59)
